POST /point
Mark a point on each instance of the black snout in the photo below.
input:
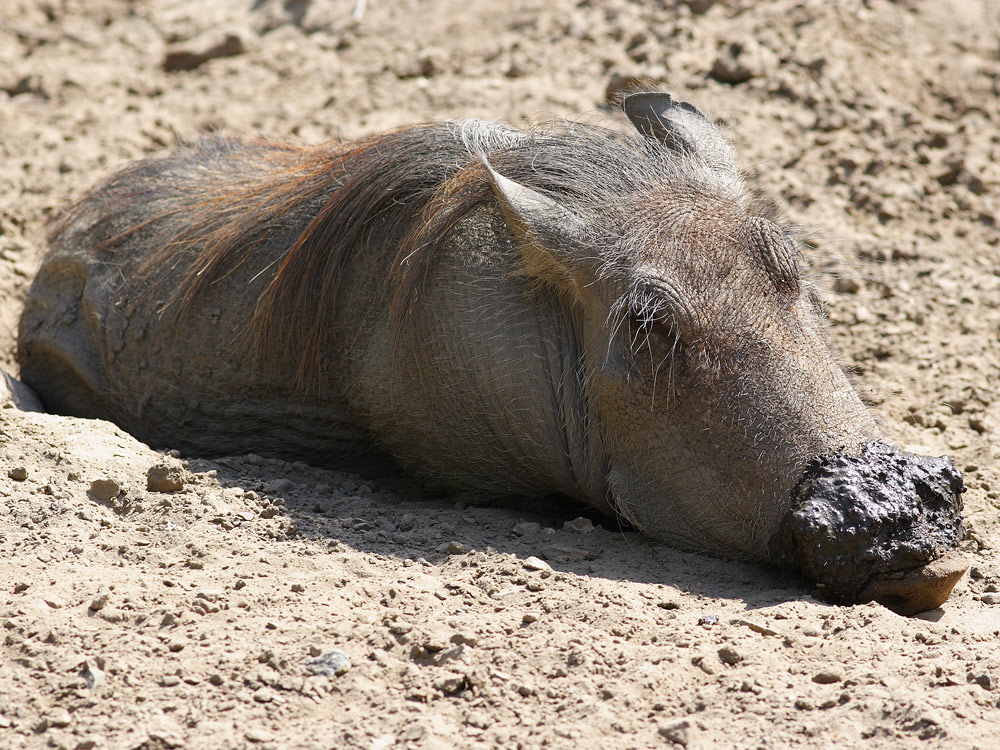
(879, 525)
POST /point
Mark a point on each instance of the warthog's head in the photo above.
(722, 417)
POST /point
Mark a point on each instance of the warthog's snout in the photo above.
(880, 526)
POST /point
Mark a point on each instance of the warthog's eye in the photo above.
(652, 337)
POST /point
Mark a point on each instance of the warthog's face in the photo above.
(713, 379)
(712, 386)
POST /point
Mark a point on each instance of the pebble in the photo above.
(165, 477)
(677, 731)
(579, 525)
(18, 473)
(92, 674)
(846, 285)
(169, 680)
(105, 489)
(58, 717)
(210, 595)
(983, 680)
(456, 548)
(526, 528)
(451, 684)
(827, 677)
(729, 655)
(534, 563)
(698, 7)
(99, 601)
(263, 695)
(331, 664)
(257, 734)
(477, 719)
(741, 60)
(465, 639)
(190, 53)
(990, 599)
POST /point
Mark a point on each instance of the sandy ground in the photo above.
(275, 605)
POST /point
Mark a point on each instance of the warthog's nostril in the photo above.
(877, 526)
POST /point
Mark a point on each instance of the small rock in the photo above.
(729, 655)
(58, 717)
(534, 563)
(263, 695)
(427, 63)
(465, 639)
(400, 627)
(579, 525)
(698, 7)
(451, 684)
(18, 473)
(99, 601)
(190, 53)
(827, 677)
(21, 586)
(677, 731)
(477, 719)
(169, 680)
(92, 674)
(990, 599)
(708, 620)
(983, 680)
(331, 664)
(757, 627)
(105, 489)
(742, 60)
(210, 595)
(456, 548)
(258, 735)
(846, 285)
(165, 477)
(529, 617)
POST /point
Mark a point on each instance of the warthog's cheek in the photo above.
(876, 526)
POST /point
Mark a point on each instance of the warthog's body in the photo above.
(612, 317)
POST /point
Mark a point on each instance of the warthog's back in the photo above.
(152, 308)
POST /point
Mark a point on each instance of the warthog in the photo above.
(571, 309)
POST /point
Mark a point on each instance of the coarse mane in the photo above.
(211, 203)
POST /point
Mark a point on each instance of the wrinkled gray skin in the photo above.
(654, 352)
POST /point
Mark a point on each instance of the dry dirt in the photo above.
(276, 605)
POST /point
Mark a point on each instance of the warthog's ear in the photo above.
(682, 127)
(550, 236)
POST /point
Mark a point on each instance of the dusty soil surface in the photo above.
(150, 601)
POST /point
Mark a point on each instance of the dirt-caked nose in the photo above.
(882, 525)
